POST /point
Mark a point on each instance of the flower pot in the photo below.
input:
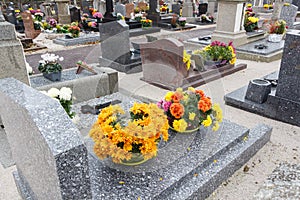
(275, 38)
(55, 76)
(136, 159)
(215, 64)
(188, 130)
(173, 25)
(182, 23)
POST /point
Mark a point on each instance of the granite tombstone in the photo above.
(129, 8)
(288, 14)
(120, 8)
(75, 14)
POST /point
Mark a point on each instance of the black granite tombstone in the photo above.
(202, 9)
(75, 14)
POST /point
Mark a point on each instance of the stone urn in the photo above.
(275, 37)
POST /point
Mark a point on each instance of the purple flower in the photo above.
(159, 104)
(166, 105)
(98, 15)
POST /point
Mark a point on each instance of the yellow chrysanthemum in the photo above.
(187, 59)
(253, 19)
(168, 96)
(192, 116)
(207, 122)
(191, 89)
(207, 48)
(216, 126)
(249, 5)
(218, 112)
(179, 125)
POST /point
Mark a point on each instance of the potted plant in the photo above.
(217, 54)
(182, 21)
(188, 110)
(74, 30)
(98, 16)
(250, 21)
(146, 23)
(138, 17)
(50, 67)
(129, 139)
(276, 30)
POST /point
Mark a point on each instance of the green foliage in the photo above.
(49, 67)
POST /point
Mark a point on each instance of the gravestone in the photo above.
(115, 45)
(30, 32)
(129, 8)
(202, 9)
(11, 15)
(162, 62)
(11, 53)
(75, 14)
(120, 8)
(229, 26)
(142, 6)
(283, 103)
(48, 150)
(187, 9)
(176, 9)
(86, 5)
(296, 3)
(63, 12)
(288, 14)
(153, 12)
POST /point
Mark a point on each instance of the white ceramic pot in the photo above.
(275, 37)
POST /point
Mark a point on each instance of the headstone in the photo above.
(153, 12)
(86, 5)
(297, 3)
(176, 9)
(109, 7)
(50, 155)
(75, 14)
(120, 8)
(162, 62)
(187, 9)
(115, 45)
(142, 6)
(63, 11)
(277, 9)
(11, 53)
(11, 15)
(202, 9)
(129, 8)
(229, 26)
(289, 75)
(30, 32)
(288, 14)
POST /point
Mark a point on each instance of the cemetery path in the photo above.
(91, 53)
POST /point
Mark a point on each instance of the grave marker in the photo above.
(129, 8)
(30, 32)
(120, 8)
(288, 14)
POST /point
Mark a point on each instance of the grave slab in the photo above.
(83, 39)
(212, 158)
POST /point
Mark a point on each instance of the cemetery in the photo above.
(148, 99)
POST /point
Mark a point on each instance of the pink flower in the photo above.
(98, 15)
(166, 105)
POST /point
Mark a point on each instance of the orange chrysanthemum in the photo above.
(204, 104)
(176, 97)
(177, 110)
(201, 93)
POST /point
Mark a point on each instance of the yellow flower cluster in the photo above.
(187, 59)
(249, 5)
(112, 138)
(253, 19)
(233, 60)
(217, 112)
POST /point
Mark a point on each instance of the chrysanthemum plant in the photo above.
(49, 63)
(188, 110)
(218, 51)
(118, 136)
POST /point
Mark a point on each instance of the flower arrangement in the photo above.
(218, 51)
(98, 15)
(277, 27)
(64, 96)
(74, 30)
(49, 63)
(38, 16)
(188, 110)
(119, 138)
(250, 22)
(182, 21)
(146, 22)
(187, 59)
(207, 18)
(52, 22)
(249, 5)
(120, 16)
(85, 15)
(164, 8)
(138, 17)
(92, 24)
(136, 10)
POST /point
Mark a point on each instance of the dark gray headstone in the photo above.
(75, 14)
(297, 3)
(176, 8)
(288, 14)
(289, 74)
(11, 16)
(86, 5)
(115, 44)
(202, 9)
(152, 6)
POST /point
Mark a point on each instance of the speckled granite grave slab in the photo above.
(85, 39)
(188, 166)
(283, 183)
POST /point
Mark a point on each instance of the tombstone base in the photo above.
(194, 78)
(85, 39)
(64, 19)
(134, 67)
(275, 107)
(238, 38)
